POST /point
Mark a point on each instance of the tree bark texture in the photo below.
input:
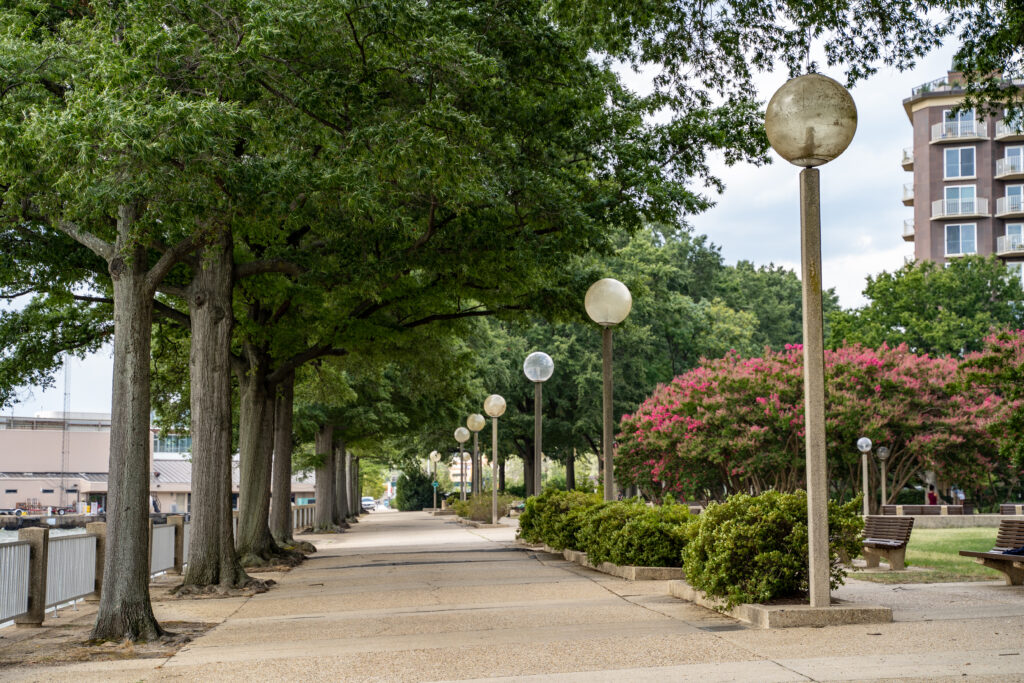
(212, 557)
(570, 472)
(281, 495)
(125, 610)
(341, 493)
(501, 475)
(255, 444)
(528, 472)
(355, 503)
(325, 481)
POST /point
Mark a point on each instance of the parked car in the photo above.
(368, 503)
(16, 512)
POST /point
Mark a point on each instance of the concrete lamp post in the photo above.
(476, 422)
(608, 302)
(810, 121)
(864, 446)
(538, 368)
(882, 453)
(434, 458)
(494, 406)
(462, 436)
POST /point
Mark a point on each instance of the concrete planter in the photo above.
(628, 572)
(787, 616)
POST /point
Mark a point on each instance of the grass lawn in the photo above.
(936, 551)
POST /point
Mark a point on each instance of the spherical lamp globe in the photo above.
(475, 422)
(810, 120)
(538, 367)
(882, 453)
(435, 456)
(494, 405)
(462, 435)
(466, 455)
(864, 444)
(608, 302)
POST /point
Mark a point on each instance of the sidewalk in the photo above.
(412, 597)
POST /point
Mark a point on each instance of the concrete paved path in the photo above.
(412, 597)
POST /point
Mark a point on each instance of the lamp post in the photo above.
(476, 422)
(864, 446)
(810, 121)
(434, 457)
(494, 406)
(538, 368)
(608, 302)
(462, 436)
(883, 454)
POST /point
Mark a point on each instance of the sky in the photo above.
(756, 218)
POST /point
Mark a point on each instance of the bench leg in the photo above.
(897, 558)
(1014, 575)
(871, 557)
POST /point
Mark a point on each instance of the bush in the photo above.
(516, 490)
(553, 517)
(754, 548)
(653, 538)
(478, 508)
(601, 523)
(415, 490)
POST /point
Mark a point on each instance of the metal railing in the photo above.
(161, 556)
(14, 558)
(958, 130)
(951, 208)
(908, 192)
(1007, 205)
(70, 568)
(908, 227)
(187, 536)
(1007, 129)
(1009, 166)
(908, 157)
(1009, 243)
(302, 516)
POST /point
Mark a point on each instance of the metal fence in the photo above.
(14, 559)
(187, 531)
(161, 557)
(70, 568)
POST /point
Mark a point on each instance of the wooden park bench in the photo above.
(967, 509)
(1010, 535)
(887, 537)
(1011, 509)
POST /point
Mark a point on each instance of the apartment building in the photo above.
(967, 191)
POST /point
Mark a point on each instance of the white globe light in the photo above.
(882, 453)
(538, 367)
(608, 302)
(475, 422)
(810, 120)
(462, 435)
(466, 456)
(435, 456)
(864, 444)
(494, 405)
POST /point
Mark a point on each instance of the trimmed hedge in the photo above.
(747, 549)
(478, 508)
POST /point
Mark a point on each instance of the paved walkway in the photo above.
(411, 597)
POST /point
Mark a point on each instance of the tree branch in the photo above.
(169, 259)
(172, 314)
(102, 248)
(243, 270)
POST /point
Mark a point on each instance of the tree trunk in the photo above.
(528, 474)
(125, 611)
(281, 495)
(324, 512)
(570, 472)
(341, 493)
(355, 501)
(501, 475)
(255, 444)
(212, 557)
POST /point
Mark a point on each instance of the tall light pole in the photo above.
(608, 302)
(864, 446)
(494, 406)
(434, 457)
(538, 368)
(476, 422)
(462, 436)
(883, 454)
(810, 121)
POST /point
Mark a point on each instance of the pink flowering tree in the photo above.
(736, 424)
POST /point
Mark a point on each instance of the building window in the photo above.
(959, 162)
(961, 124)
(47, 490)
(172, 443)
(959, 199)
(10, 490)
(1014, 198)
(960, 239)
(1016, 269)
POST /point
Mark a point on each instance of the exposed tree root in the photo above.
(250, 588)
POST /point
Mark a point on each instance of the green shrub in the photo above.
(552, 517)
(415, 490)
(478, 508)
(754, 548)
(653, 538)
(601, 522)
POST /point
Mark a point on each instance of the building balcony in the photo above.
(960, 208)
(1008, 245)
(908, 230)
(1007, 130)
(1010, 168)
(958, 131)
(908, 159)
(908, 194)
(1009, 207)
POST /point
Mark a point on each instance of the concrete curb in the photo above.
(628, 572)
(477, 525)
(787, 616)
